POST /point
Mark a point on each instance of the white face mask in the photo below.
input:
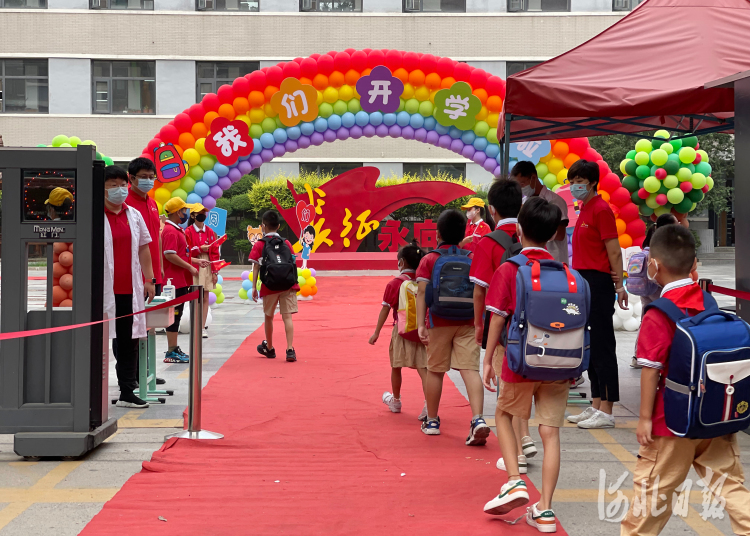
(648, 272)
(527, 191)
(117, 195)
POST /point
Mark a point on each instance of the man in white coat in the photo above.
(128, 278)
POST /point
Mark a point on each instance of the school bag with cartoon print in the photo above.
(707, 391)
(548, 335)
(638, 282)
(406, 314)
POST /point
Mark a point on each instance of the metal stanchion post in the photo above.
(196, 373)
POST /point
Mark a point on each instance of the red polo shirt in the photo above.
(150, 212)
(476, 231)
(173, 241)
(655, 341)
(197, 237)
(488, 254)
(424, 273)
(596, 223)
(121, 250)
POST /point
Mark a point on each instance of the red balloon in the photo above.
(153, 144)
(697, 159)
(628, 213)
(610, 182)
(226, 94)
(643, 194)
(662, 199)
(578, 145)
(639, 241)
(359, 61)
(478, 78)
(411, 61)
(241, 87)
(428, 63)
(257, 80)
(462, 72)
(620, 197)
(342, 61)
(697, 146)
(149, 156)
(393, 59)
(211, 102)
(653, 217)
(445, 67)
(183, 122)
(169, 134)
(495, 85)
(686, 186)
(315, 56)
(332, 53)
(275, 75)
(291, 70)
(350, 51)
(590, 155)
(375, 58)
(197, 112)
(325, 64)
(660, 174)
(636, 227)
(603, 168)
(705, 189)
(308, 68)
(297, 60)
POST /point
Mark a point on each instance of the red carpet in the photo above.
(309, 447)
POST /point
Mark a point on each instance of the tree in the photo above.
(239, 215)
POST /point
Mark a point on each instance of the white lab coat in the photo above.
(139, 237)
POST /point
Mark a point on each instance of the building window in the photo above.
(124, 87)
(538, 5)
(24, 86)
(331, 5)
(455, 171)
(20, 4)
(513, 67)
(434, 6)
(333, 168)
(227, 5)
(122, 4)
(211, 75)
(625, 5)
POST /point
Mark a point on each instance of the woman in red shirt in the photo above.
(598, 258)
(476, 227)
(199, 238)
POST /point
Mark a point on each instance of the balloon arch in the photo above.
(334, 81)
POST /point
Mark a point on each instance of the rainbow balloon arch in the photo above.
(315, 100)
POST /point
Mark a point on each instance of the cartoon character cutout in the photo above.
(307, 240)
(254, 234)
(170, 166)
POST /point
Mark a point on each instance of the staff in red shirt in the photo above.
(204, 254)
(476, 227)
(598, 258)
(142, 174)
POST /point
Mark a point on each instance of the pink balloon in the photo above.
(660, 174)
(686, 186)
(662, 199)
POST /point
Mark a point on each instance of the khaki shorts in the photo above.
(452, 347)
(287, 301)
(406, 354)
(550, 399)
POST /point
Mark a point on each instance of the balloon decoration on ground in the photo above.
(216, 296)
(664, 175)
(245, 292)
(62, 140)
(307, 283)
(628, 319)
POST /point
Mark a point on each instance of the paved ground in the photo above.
(61, 495)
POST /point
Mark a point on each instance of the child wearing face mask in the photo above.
(199, 238)
(476, 227)
(403, 353)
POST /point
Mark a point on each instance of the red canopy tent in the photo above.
(645, 72)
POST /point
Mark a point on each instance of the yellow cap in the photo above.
(58, 196)
(197, 207)
(473, 202)
(175, 204)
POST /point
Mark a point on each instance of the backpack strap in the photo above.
(667, 307)
(452, 250)
(519, 260)
(503, 239)
(675, 314)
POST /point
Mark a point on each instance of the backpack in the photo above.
(638, 281)
(406, 316)
(708, 380)
(548, 335)
(510, 244)
(278, 270)
(450, 293)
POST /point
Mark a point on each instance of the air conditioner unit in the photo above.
(412, 5)
(621, 5)
(205, 5)
(99, 4)
(306, 5)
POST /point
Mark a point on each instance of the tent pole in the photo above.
(504, 171)
(742, 192)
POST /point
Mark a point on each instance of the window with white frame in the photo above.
(513, 67)
(538, 5)
(625, 5)
(434, 6)
(227, 5)
(331, 5)
(124, 87)
(146, 5)
(211, 75)
(20, 4)
(24, 86)
(455, 171)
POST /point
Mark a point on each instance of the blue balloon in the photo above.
(441, 129)
(334, 122)
(362, 118)
(221, 170)
(193, 198)
(247, 284)
(376, 118)
(389, 120)
(202, 189)
(210, 178)
(480, 144)
(416, 121)
(455, 133)
(492, 150)
(257, 146)
(280, 135)
(307, 128)
(430, 123)
(402, 119)
(321, 125)
(266, 140)
(219, 279)
(348, 120)
(468, 137)
(294, 133)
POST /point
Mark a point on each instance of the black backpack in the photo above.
(278, 270)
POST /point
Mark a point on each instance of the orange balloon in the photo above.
(256, 99)
(337, 79)
(481, 94)
(605, 195)
(66, 282)
(494, 103)
(402, 74)
(198, 131)
(70, 294)
(314, 290)
(187, 140)
(432, 81)
(560, 149)
(571, 159)
(351, 77)
(625, 241)
(55, 281)
(58, 270)
(208, 119)
(269, 91)
(241, 105)
(58, 295)
(70, 247)
(320, 81)
(55, 257)
(70, 269)
(59, 247)
(416, 78)
(366, 71)
(227, 110)
(621, 225)
(66, 259)
(447, 82)
(66, 303)
(305, 81)
(305, 290)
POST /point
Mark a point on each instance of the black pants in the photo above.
(178, 292)
(603, 372)
(125, 347)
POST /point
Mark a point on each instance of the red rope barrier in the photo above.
(741, 294)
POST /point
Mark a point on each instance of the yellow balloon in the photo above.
(346, 93)
(493, 120)
(330, 95)
(320, 98)
(245, 119)
(555, 165)
(257, 115)
(422, 93)
(562, 175)
(310, 281)
(200, 146)
(270, 112)
(191, 156)
(162, 195)
(306, 273)
(160, 207)
(408, 91)
(171, 186)
(547, 158)
(483, 114)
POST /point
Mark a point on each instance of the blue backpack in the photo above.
(708, 379)
(548, 335)
(637, 280)
(450, 294)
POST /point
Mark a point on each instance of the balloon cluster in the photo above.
(216, 296)
(62, 274)
(628, 319)
(74, 141)
(247, 285)
(307, 282)
(665, 175)
(340, 116)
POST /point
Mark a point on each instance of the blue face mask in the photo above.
(184, 217)
(579, 191)
(117, 195)
(145, 185)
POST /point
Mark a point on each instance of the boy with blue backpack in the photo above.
(545, 307)
(695, 390)
(445, 323)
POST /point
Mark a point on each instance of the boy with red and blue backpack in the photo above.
(545, 306)
(695, 390)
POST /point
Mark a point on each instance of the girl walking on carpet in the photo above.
(199, 238)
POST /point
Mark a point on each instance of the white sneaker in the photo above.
(529, 449)
(523, 466)
(585, 414)
(541, 520)
(205, 333)
(598, 420)
(577, 382)
(423, 416)
(512, 495)
(394, 404)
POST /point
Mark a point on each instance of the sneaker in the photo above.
(129, 400)
(175, 357)
(528, 446)
(523, 466)
(263, 350)
(585, 414)
(512, 495)
(575, 383)
(179, 351)
(478, 433)
(423, 416)
(598, 420)
(160, 381)
(205, 333)
(634, 363)
(393, 403)
(291, 355)
(543, 521)
(431, 426)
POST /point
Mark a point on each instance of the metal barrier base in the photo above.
(56, 444)
(201, 434)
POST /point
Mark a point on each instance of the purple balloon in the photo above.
(342, 133)
(255, 161)
(420, 134)
(224, 183)
(329, 135)
(445, 141)
(245, 275)
(368, 130)
(394, 131)
(407, 133)
(317, 138)
(216, 192)
(479, 157)
(235, 174)
(312, 272)
(468, 151)
(456, 146)
(432, 137)
(211, 298)
(245, 167)
(303, 142)
(489, 164)
(355, 132)
(381, 130)
(278, 150)
(497, 171)
(208, 202)
(290, 146)
(266, 155)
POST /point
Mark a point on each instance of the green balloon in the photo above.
(662, 189)
(659, 156)
(354, 106)
(641, 158)
(710, 183)
(654, 169)
(99, 156)
(550, 180)
(660, 211)
(687, 155)
(692, 141)
(671, 167)
(542, 170)
(426, 108)
(269, 124)
(301, 280)
(631, 154)
(339, 107)
(691, 167)
(631, 167)
(675, 196)
(481, 129)
(640, 184)
(58, 140)
(667, 147)
(412, 106)
(676, 145)
(684, 206)
(670, 181)
(643, 145)
(65, 145)
(196, 172)
(698, 180)
(696, 196)
(642, 172)
(220, 298)
(646, 210)
(636, 199)
(704, 168)
(651, 201)
(207, 161)
(652, 185)
(256, 131)
(41, 145)
(179, 192)
(401, 106)
(279, 124)
(74, 141)
(631, 183)
(188, 183)
(243, 294)
(492, 135)
(683, 174)
(108, 161)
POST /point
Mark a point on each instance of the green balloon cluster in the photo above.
(62, 140)
(665, 174)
